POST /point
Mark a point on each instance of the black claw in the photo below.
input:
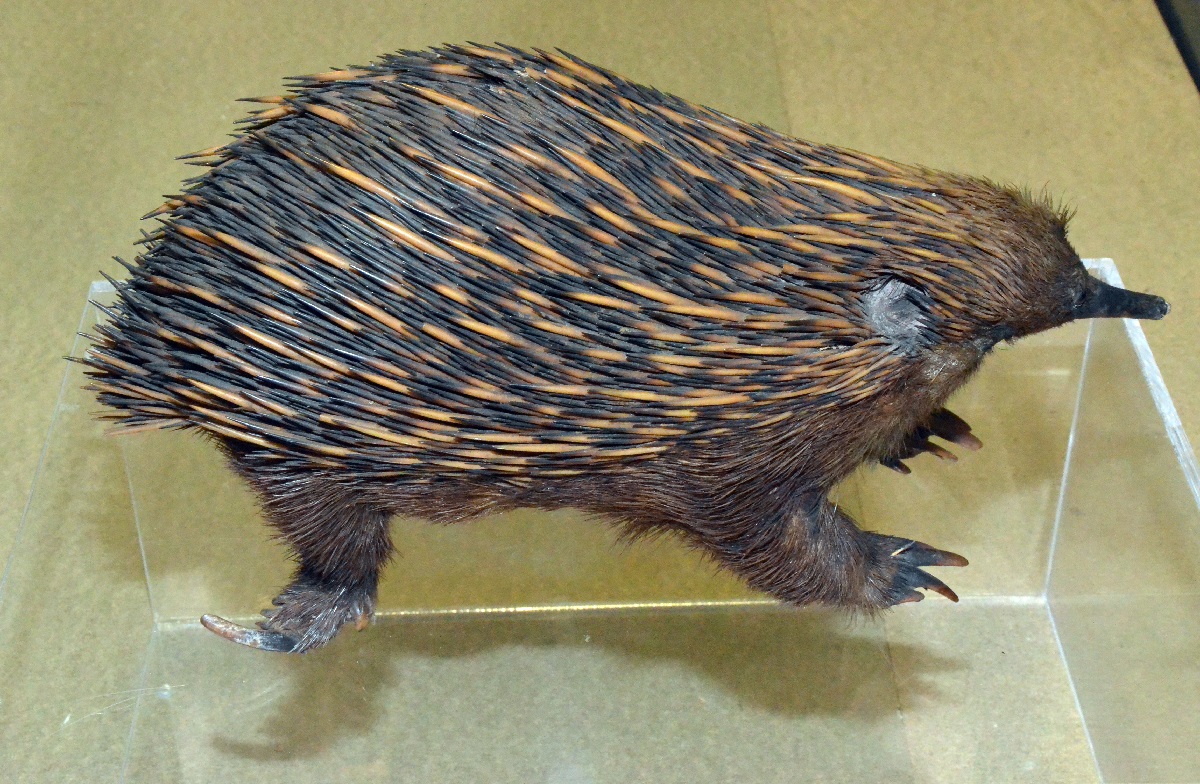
(938, 452)
(909, 578)
(953, 428)
(931, 583)
(942, 424)
(920, 554)
(896, 465)
(261, 639)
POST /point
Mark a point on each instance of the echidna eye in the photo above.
(1002, 332)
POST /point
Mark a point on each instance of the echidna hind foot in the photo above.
(305, 617)
(943, 424)
(341, 543)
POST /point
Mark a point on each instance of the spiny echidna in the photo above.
(478, 278)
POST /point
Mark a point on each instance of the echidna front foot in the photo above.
(897, 576)
(943, 424)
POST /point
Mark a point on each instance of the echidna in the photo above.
(477, 278)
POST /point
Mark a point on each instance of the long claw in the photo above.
(252, 638)
(931, 583)
(967, 441)
(939, 452)
(908, 578)
(942, 424)
(951, 559)
(923, 555)
(953, 428)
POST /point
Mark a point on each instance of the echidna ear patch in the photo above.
(901, 313)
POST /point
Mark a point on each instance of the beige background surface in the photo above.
(1085, 97)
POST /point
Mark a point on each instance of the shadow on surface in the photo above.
(785, 664)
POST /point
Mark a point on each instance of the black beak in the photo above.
(1101, 300)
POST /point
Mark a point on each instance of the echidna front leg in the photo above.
(945, 425)
(341, 546)
(813, 553)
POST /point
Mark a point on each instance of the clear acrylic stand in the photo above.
(530, 647)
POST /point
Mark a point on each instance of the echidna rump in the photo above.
(478, 278)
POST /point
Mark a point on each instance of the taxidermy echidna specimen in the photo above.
(472, 279)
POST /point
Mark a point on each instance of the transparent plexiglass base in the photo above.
(532, 647)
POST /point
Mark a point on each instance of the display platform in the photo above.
(536, 648)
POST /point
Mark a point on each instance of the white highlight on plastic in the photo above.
(1106, 270)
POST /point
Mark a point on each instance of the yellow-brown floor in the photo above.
(1085, 97)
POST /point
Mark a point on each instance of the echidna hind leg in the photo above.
(340, 543)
